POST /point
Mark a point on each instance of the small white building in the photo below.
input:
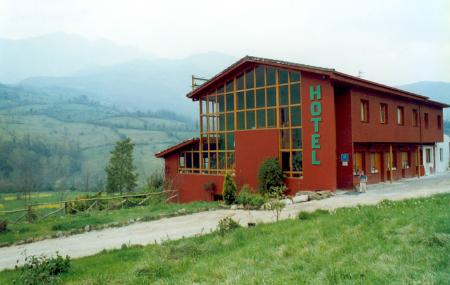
(436, 158)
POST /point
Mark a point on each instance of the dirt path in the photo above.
(200, 223)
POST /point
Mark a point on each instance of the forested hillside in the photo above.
(58, 138)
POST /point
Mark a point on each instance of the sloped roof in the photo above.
(334, 75)
(176, 147)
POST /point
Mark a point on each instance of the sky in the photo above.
(393, 42)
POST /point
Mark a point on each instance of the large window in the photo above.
(425, 120)
(189, 160)
(439, 122)
(358, 163)
(405, 160)
(259, 98)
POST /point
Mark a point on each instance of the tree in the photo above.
(269, 176)
(120, 175)
(229, 190)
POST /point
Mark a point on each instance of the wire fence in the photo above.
(39, 211)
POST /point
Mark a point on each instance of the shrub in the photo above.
(156, 180)
(270, 175)
(277, 191)
(3, 226)
(43, 269)
(226, 225)
(249, 199)
(229, 190)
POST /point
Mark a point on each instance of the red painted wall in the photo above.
(251, 149)
(190, 186)
(323, 176)
(344, 142)
(374, 131)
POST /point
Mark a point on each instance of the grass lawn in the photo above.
(404, 242)
(66, 223)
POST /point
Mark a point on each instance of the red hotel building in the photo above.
(324, 127)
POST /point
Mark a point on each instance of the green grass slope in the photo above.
(405, 242)
(64, 116)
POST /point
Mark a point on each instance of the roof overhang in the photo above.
(177, 147)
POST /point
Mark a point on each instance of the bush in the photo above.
(277, 192)
(3, 226)
(247, 198)
(156, 180)
(229, 190)
(270, 175)
(80, 204)
(43, 269)
(226, 225)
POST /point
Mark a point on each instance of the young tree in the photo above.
(270, 175)
(229, 190)
(120, 175)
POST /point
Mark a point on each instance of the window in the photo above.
(439, 122)
(394, 160)
(374, 162)
(428, 155)
(441, 154)
(357, 163)
(261, 97)
(400, 116)
(405, 160)
(364, 111)
(425, 120)
(383, 113)
(415, 118)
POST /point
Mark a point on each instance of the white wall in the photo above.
(435, 151)
(442, 165)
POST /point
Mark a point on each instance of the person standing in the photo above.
(362, 182)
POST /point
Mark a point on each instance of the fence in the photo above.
(30, 212)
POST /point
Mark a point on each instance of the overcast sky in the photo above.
(394, 42)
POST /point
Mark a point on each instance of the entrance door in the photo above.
(375, 165)
(428, 160)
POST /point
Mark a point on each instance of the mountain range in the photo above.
(123, 76)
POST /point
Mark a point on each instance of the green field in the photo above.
(73, 223)
(67, 117)
(405, 242)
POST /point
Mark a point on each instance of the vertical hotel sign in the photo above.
(315, 97)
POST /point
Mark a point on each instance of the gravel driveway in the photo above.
(200, 223)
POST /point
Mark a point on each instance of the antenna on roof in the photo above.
(197, 81)
(360, 73)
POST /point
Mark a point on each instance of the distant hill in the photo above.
(141, 84)
(60, 116)
(58, 54)
(438, 91)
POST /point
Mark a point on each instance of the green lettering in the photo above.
(314, 158)
(316, 123)
(315, 141)
(316, 108)
(314, 93)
